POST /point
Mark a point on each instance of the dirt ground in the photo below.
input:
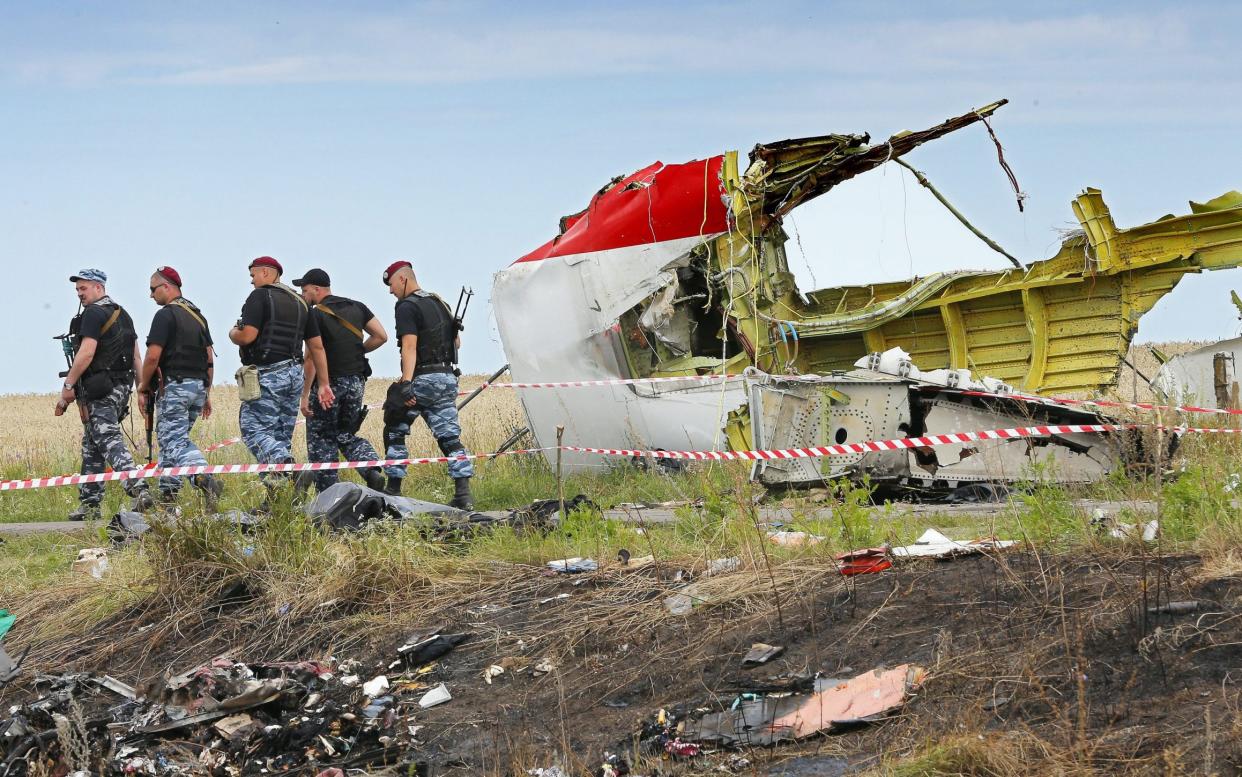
(1057, 660)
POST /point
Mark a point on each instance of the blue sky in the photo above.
(456, 134)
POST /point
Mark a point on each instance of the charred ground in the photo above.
(1039, 661)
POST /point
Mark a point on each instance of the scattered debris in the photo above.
(93, 562)
(573, 565)
(933, 544)
(438, 695)
(761, 653)
(773, 718)
(219, 718)
(493, 671)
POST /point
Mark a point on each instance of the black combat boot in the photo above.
(394, 486)
(212, 487)
(462, 499)
(374, 478)
(143, 501)
(85, 512)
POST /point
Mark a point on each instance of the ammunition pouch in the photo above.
(96, 386)
(248, 387)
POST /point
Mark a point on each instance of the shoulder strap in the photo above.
(290, 292)
(339, 318)
(181, 303)
(103, 330)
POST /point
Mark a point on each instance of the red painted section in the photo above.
(658, 203)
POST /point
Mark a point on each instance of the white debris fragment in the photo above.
(375, 687)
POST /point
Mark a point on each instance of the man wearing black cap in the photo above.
(105, 352)
(275, 322)
(350, 331)
(427, 335)
(179, 367)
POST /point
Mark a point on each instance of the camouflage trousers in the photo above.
(436, 397)
(103, 445)
(176, 410)
(333, 433)
(267, 422)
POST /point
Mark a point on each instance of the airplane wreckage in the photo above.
(680, 270)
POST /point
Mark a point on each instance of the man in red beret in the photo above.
(427, 335)
(275, 322)
(179, 367)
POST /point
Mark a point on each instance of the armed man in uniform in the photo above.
(178, 368)
(427, 337)
(350, 331)
(99, 380)
(274, 323)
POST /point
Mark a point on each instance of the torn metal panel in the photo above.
(1205, 377)
(890, 398)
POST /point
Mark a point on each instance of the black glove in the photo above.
(407, 390)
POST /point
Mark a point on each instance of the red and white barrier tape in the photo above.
(872, 446)
(242, 469)
(611, 382)
(1104, 403)
(787, 453)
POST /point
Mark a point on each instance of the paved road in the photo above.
(657, 515)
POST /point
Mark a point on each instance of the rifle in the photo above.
(459, 317)
(66, 347)
(149, 419)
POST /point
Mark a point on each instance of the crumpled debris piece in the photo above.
(573, 565)
(794, 539)
(770, 719)
(865, 561)
(933, 544)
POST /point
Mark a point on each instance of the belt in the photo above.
(424, 369)
(274, 365)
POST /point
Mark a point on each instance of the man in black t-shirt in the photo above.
(274, 324)
(427, 337)
(99, 380)
(178, 367)
(350, 331)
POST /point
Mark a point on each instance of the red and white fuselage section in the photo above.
(558, 310)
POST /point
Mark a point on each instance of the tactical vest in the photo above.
(114, 353)
(284, 324)
(185, 354)
(341, 326)
(435, 350)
